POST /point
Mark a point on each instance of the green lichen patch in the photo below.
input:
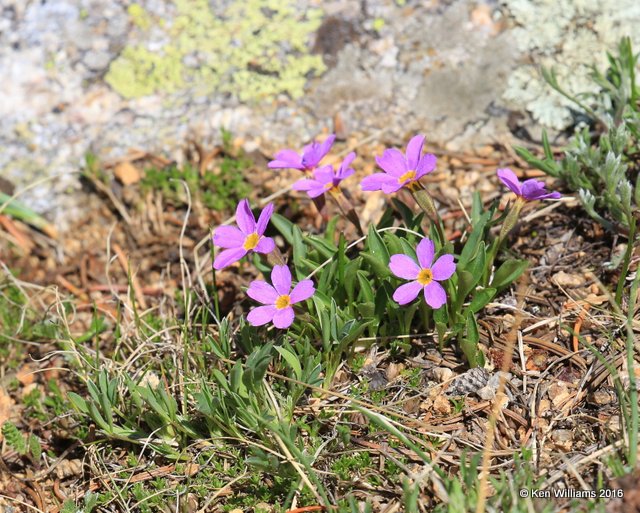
(254, 51)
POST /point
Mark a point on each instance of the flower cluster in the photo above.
(311, 156)
(399, 171)
(325, 179)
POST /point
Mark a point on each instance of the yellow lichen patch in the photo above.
(409, 175)
(251, 241)
(256, 50)
(139, 16)
(425, 276)
(283, 302)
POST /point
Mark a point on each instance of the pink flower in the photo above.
(529, 189)
(424, 276)
(248, 237)
(277, 298)
(400, 170)
(311, 156)
(325, 178)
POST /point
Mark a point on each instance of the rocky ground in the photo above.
(106, 76)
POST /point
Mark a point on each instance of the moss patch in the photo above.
(254, 51)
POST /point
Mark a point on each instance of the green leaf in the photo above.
(379, 267)
(365, 286)
(393, 243)
(299, 249)
(284, 226)
(440, 315)
(469, 343)
(376, 246)
(14, 438)
(292, 361)
(481, 298)
(34, 447)
(331, 229)
(473, 243)
(508, 272)
(14, 208)
(466, 282)
(551, 168)
(326, 249)
(78, 402)
(476, 208)
(366, 309)
(547, 147)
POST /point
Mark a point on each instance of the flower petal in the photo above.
(510, 179)
(303, 290)
(535, 189)
(324, 174)
(375, 181)
(244, 217)
(285, 159)
(551, 195)
(261, 315)
(264, 218)
(262, 292)
(318, 191)
(315, 152)
(283, 318)
(265, 245)
(346, 173)
(306, 184)
(393, 162)
(414, 148)
(228, 257)
(344, 166)
(326, 145)
(426, 165)
(443, 268)
(282, 164)
(404, 267)
(425, 251)
(281, 279)
(435, 295)
(228, 237)
(392, 186)
(406, 293)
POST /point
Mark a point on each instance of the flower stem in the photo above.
(425, 202)
(275, 257)
(345, 206)
(510, 221)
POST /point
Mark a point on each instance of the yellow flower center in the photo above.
(425, 277)
(251, 241)
(409, 175)
(283, 302)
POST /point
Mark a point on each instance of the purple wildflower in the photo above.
(529, 190)
(311, 156)
(277, 298)
(248, 237)
(400, 170)
(325, 178)
(424, 276)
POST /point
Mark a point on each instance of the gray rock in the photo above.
(96, 60)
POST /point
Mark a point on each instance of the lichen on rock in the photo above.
(569, 36)
(254, 51)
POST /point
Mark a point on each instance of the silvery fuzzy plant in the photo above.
(601, 161)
